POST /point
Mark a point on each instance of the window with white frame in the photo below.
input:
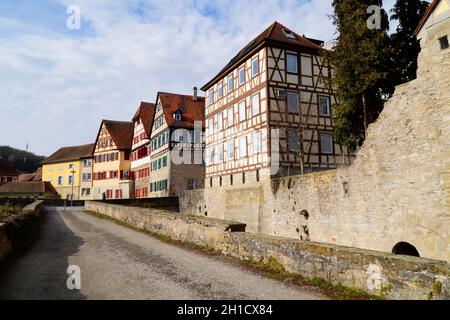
(219, 121)
(255, 104)
(326, 143)
(211, 125)
(242, 110)
(324, 105)
(241, 75)
(294, 140)
(60, 180)
(231, 150)
(242, 147)
(70, 180)
(256, 142)
(255, 66)
(292, 102)
(230, 114)
(220, 152)
(220, 90)
(211, 155)
(230, 83)
(292, 63)
(211, 96)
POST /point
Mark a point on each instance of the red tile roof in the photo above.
(424, 19)
(146, 112)
(70, 154)
(36, 176)
(273, 35)
(27, 187)
(191, 110)
(121, 132)
(6, 169)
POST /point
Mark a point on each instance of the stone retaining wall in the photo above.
(20, 230)
(384, 274)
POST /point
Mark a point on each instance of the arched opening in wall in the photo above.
(406, 249)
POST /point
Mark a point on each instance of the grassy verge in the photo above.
(7, 211)
(271, 269)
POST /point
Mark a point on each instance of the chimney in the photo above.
(194, 95)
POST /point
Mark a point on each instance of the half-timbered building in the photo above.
(112, 165)
(141, 148)
(177, 144)
(270, 106)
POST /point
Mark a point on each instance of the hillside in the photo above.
(22, 161)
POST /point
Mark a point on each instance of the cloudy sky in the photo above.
(56, 84)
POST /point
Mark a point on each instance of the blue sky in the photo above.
(57, 84)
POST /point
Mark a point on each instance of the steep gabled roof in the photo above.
(274, 34)
(70, 154)
(191, 110)
(425, 17)
(6, 169)
(121, 133)
(27, 187)
(146, 112)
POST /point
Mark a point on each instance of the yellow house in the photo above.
(66, 170)
(112, 177)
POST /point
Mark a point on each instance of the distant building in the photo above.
(28, 189)
(7, 172)
(173, 129)
(141, 148)
(277, 81)
(112, 164)
(35, 176)
(66, 170)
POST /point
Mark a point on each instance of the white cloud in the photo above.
(56, 88)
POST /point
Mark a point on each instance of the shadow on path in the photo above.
(39, 271)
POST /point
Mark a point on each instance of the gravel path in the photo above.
(120, 263)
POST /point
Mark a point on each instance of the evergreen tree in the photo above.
(360, 60)
(405, 46)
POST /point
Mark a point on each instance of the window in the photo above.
(211, 155)
(326, 143)
(243, 177)
(220, 90)
(257, 175)
(242, 147)
(444, 42)
(256, 142)
(164, 161)
(70, 180)
(220, 152)
(242, 110)
(230, 114)
(211, 125)
(230, 83)
(292, 101)
(324, 105)
(231, 150)
(293, 140)
(60, 180)
(255, 66)
(231, 179)
(177, 116)
(292, 63)
(219, 122)
(255, 104)
(242, 75)
(87, 163)
(211, 96)
(289, 34)
(191, 184)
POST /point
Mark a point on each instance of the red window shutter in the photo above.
(121, 174)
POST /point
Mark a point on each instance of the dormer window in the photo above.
(289, 34)
(177, 116)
